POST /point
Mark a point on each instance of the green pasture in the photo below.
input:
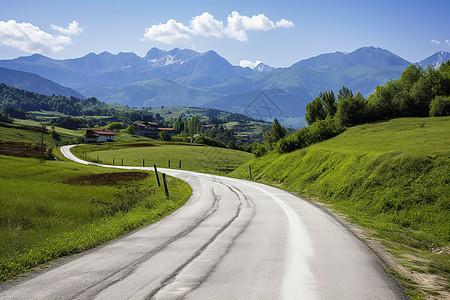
(47, 211)
(193, 157)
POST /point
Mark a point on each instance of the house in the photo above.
(150, 129)
(97, 135)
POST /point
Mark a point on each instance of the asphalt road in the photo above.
(233, 239)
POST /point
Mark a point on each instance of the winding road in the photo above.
(233, 239)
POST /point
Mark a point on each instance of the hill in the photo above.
(392, 177)
(35, 83)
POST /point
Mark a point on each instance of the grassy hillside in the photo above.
(53, 208)
(193, 157)
(392, 177)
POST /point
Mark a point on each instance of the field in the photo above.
(392, 178)
(193, 157)
(55, 208)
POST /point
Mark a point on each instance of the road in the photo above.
(233, 239)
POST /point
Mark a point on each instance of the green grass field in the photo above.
(53, 208)
(391, 177)
(193, 157)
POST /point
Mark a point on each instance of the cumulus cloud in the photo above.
(73, 28)
(206, 25)
(169, 33)
(284, 23)
(248, 63)
(29, 38)
(435, 42)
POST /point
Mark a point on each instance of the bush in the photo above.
(130, 129)
(440, 106)
(115, 126)
(163, 135)
(258, 150)
(319, 131)
(201, 139)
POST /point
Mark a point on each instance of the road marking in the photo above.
(298, 280)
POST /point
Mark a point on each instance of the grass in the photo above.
(193, 157)
(392, 177)
(54, 208)
(17, 132)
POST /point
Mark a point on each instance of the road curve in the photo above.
(233, 239)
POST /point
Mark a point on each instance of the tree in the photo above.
(344, 92)
(194, 125)
(352, 110)
(275, 133)
(321, 107)
(440, 106)
(130, 129)
(163, 135)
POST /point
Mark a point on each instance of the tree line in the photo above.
(417, 93)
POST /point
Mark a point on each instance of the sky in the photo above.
(278, 33)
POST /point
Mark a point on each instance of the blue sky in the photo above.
(278, 33)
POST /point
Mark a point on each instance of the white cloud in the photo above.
(170, 33)
(435, 42)
(284, 23)
(73, 28)
(206, 25)
(448, 42)
(29, 38)
(247, 63)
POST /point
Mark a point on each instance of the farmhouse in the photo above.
(97, 135)
(150, 129)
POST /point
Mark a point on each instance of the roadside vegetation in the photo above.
(194, 157)
(56, 208)
(392, 177)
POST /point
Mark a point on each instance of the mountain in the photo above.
(435, 60)
(262, 68)
(35, 83)
(189, 78)
(293, 87)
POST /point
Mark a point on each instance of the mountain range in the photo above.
(189, 78)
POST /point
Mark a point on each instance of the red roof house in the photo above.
(97, 135)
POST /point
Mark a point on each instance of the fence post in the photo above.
(250, 172)
(156, 173)
(165, 185)
(98, 159)
(122, 161)
(113, 160)
(180, 163)
(169, 163)
(143, 162)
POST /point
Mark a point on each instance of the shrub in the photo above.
(201, 139)
(440, 106)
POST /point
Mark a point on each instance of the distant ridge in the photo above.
(35, 83)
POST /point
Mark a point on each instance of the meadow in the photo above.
(392, 178)
(193, 157)
(55, 208)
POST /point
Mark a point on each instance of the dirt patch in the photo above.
(106, 178)
(23, 150)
